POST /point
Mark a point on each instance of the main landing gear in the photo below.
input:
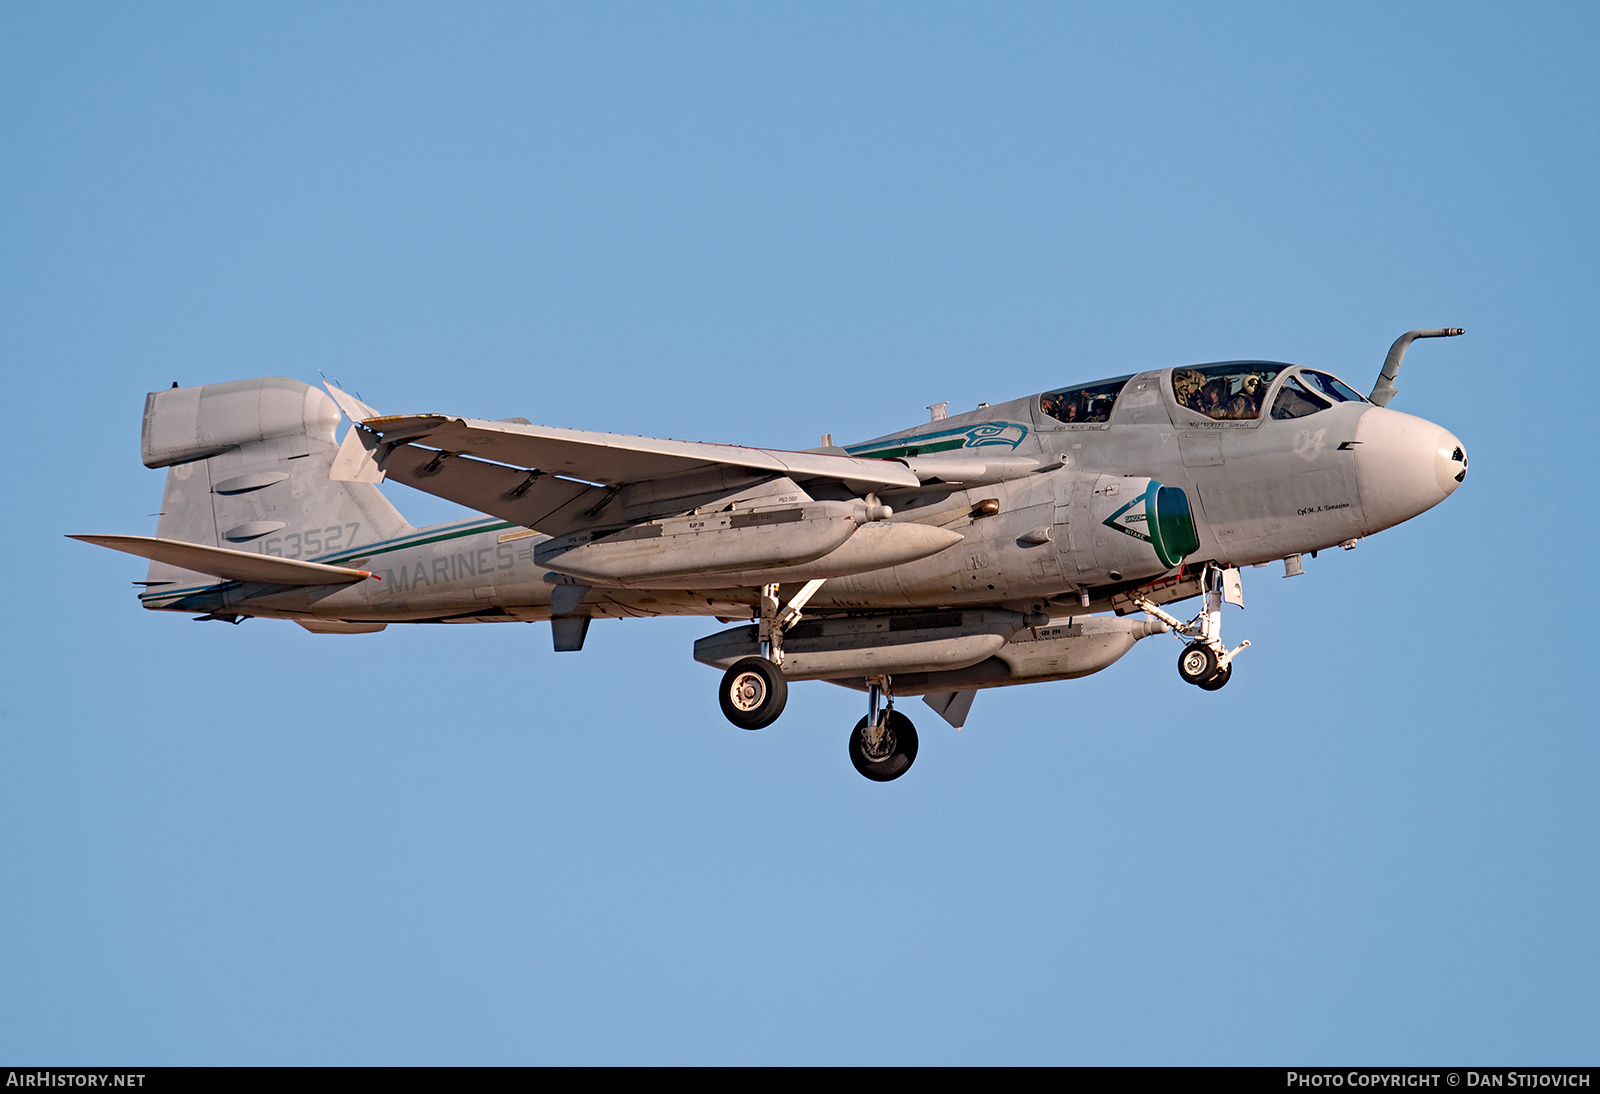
(754, 690)
(1205, 662)
(753, 693)
(883, 745)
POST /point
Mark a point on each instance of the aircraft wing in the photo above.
(556, 480)
(612, 459)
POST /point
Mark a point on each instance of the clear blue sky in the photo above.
(759, 223)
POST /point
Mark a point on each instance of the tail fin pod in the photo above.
(249, 464)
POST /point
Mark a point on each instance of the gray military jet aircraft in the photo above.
(1007, 545)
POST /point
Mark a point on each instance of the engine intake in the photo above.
(1123, 528)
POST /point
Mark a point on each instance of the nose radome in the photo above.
(1404, 466)
(1450, 462)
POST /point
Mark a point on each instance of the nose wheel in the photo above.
(1205, 662)
(1197, 663)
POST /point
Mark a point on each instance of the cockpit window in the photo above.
(1225, 392)
(1294, 401)
(1333, 388)
(1085, 403)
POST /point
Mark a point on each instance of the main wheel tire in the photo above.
(895, 753)
(753, 693)
(1218, 678)
(1197, 663)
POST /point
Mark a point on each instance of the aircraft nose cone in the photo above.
(1404, 466)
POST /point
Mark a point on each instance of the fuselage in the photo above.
(1260, 487)
(1273, 462)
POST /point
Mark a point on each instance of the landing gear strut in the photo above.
(1205, 661)
(884, 743)
(755, 690)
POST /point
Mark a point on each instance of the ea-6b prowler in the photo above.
(1031, 540)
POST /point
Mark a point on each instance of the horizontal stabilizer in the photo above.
(228, 564)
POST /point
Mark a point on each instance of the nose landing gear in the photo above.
(1217, 679)
(1205, 662)
(1197, 663)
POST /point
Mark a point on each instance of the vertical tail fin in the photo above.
(249, 465)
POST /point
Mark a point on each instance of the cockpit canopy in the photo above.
(1232, 391)
(1309, 391)
(1237, 390)
(1085, 403)
(1227, 392)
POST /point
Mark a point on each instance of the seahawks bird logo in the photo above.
(986, 435)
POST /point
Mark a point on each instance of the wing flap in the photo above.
(553, 505)
(228, 564)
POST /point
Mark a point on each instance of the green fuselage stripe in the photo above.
(381, 548)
